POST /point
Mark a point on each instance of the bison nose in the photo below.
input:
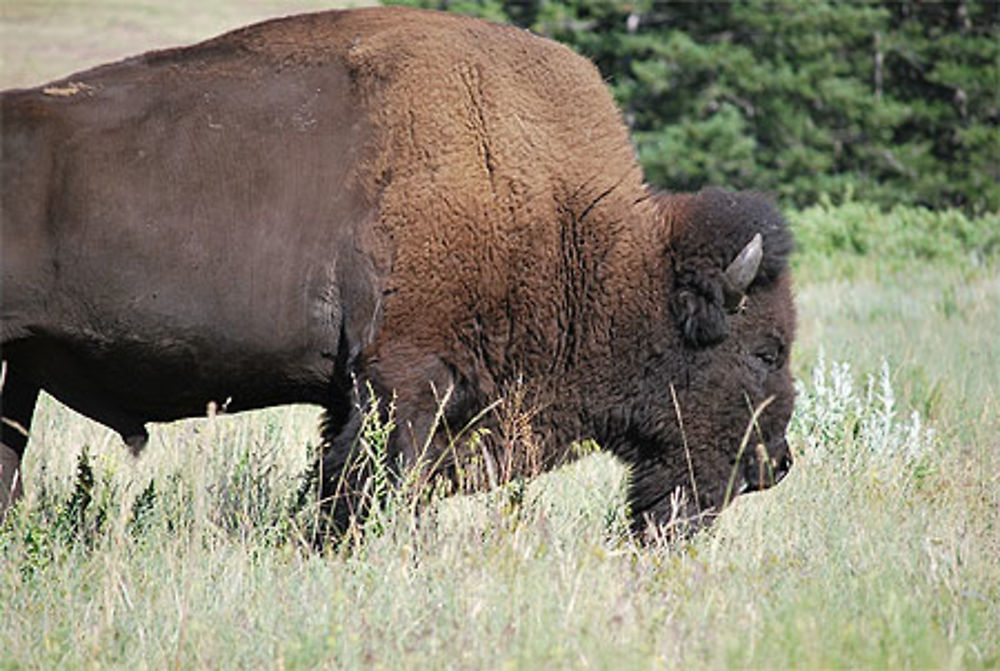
(768, 465)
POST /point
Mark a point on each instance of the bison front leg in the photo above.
(17, 405)
(346, 471)
(396, 431)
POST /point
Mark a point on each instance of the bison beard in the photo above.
(396, 205)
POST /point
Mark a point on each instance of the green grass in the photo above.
(879, 550)
(918, 289)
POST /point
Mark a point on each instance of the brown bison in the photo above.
(411, 205)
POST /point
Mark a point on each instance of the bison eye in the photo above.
(768, 357)
(771, 353)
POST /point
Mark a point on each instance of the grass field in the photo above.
(880, 549)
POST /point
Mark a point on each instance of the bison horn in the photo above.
(743, 269)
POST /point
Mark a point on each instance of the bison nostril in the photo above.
(783, 466)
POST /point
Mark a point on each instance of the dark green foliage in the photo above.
(144, 511)
(893, 102)
(63, 522)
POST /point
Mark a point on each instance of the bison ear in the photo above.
(702, 300)
(697, 306)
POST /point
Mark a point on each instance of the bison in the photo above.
(388, 203)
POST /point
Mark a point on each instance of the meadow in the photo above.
(879, 550)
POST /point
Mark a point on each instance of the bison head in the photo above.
(725, 391)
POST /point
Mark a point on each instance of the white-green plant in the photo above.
(836, 421)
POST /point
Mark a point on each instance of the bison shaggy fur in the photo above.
(432, 211)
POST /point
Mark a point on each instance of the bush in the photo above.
(831, 238)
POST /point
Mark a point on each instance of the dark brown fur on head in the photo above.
(731, 391)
